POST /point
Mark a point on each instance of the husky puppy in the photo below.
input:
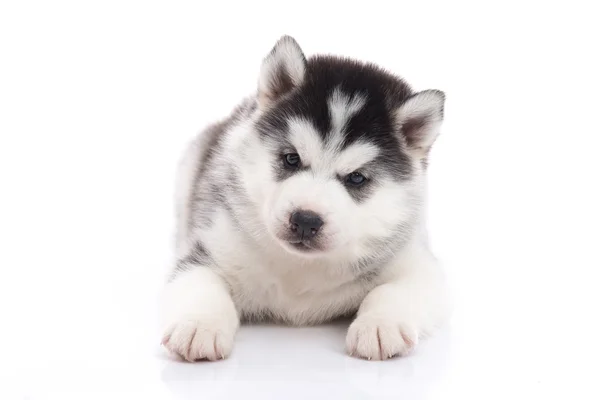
(307, 204)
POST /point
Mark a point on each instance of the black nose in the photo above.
(305, 223)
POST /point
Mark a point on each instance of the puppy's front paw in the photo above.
(199, 340)
(376, 338)
(198, 315)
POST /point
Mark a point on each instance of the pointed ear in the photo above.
(282, 70)
(420, 118)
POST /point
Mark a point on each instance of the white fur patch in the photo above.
(342, 108)
(306, 140)
(355, 156)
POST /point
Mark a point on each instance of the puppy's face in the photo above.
(338, 152)
(330, 193)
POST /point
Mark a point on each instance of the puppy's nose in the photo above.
(305, 223)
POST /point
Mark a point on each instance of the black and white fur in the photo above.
(243, 256)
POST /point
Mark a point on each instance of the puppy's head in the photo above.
(338, 152)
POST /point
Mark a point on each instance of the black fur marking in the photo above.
(198, 257)
(382, 91)
(201, 202)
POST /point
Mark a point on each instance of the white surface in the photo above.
(96, 102)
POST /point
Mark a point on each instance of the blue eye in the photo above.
(355, 179)
(291, 160)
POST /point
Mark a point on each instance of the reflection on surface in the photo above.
(283, 362)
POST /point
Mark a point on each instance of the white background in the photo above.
(97, 100)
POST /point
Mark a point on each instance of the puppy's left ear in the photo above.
(282, 70)
(420, 118)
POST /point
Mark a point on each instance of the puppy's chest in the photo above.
(297, 294)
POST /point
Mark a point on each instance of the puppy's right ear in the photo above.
(282, 70)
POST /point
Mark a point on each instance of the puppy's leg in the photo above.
(199, 317)
(394, 315)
